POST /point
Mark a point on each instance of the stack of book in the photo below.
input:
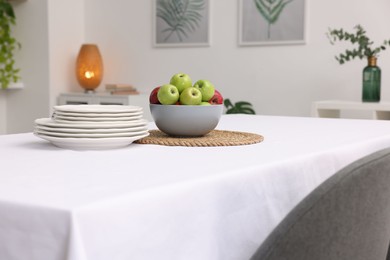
(121, 89)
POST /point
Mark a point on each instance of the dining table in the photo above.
(153, 201)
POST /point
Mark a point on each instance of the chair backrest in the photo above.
(346, 218)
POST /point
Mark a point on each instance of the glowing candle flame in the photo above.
(89, 74)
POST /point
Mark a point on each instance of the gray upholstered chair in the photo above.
(345, 218)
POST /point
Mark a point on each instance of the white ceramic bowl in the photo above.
(182, 120)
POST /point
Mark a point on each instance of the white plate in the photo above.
(61, 113)
(95, 119)
(91, 143)
(91, 131)
(51, 123)
(98, 108)
(90, 135)
(77, 123)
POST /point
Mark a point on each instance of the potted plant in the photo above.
(8, 45)
(364, 50)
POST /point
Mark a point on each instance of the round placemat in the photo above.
(214, 138)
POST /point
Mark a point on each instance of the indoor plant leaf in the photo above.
(241, 107)
(8, 44)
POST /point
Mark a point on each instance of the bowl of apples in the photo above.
(182, 109)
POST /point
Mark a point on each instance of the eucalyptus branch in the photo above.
(364, 47)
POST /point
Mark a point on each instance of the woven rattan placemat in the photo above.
(214, 138)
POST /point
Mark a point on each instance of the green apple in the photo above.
(168, 94)
(181, 81)
(190, 96)
(206, 88)
(205, 103)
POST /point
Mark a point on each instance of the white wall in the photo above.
(32, 102)
(50, 31)
(278, 80)
(3, 113)
(65, 38)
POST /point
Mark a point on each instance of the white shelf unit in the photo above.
(97, 98)
(12, 86)
(332, 108)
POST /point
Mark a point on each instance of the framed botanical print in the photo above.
(179, 23)
(269, 22)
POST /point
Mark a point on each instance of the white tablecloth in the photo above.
(159, 202)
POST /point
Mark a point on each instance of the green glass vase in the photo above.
(371, 81)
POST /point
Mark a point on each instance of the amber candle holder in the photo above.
(89, 67)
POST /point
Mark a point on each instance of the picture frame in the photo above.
(194, 29)
(276, 22)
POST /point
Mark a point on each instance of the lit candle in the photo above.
(89, 67)
(89, 74)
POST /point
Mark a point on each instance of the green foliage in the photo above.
(271, 10)
(181, 16)
(241, 107)
(364, 47)
(8, 44)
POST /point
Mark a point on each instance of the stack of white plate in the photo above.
(92, 127)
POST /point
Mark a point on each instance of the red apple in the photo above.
(217, 99)
(153, 96)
